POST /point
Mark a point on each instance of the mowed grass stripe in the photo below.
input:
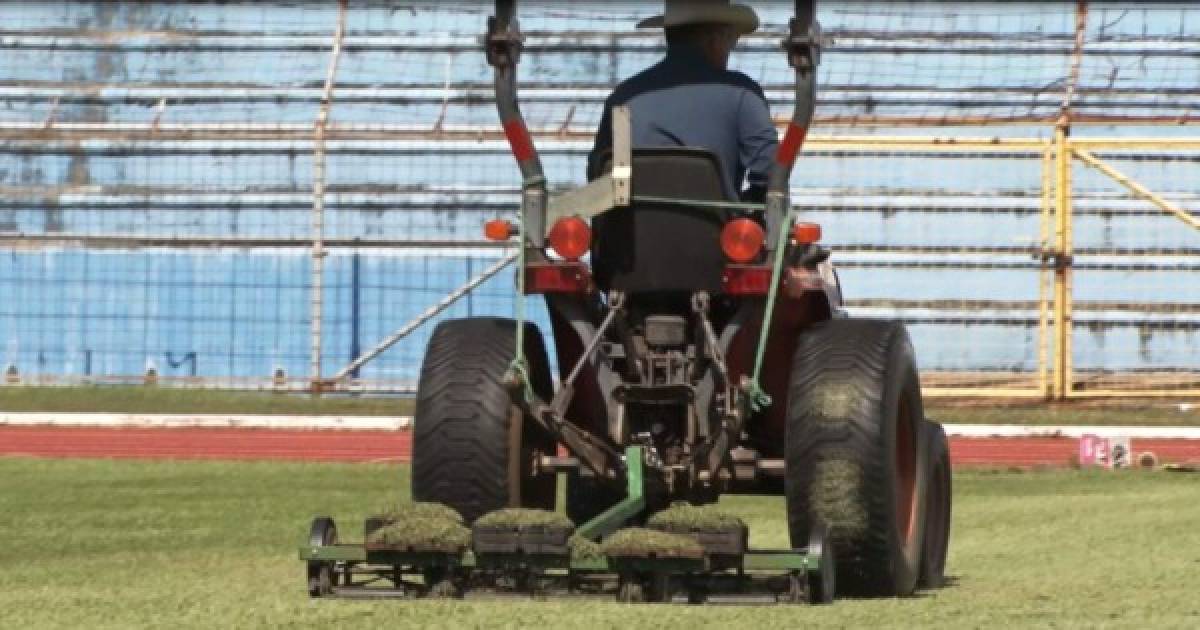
(197, 544)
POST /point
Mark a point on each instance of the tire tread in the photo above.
(839, 378)
(463, 413)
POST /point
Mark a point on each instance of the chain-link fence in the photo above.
(258, 193)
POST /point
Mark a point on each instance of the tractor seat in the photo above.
(674, 172)
(664, 248)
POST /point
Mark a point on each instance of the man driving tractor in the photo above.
(692, 99)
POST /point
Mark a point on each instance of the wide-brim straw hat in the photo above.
(682, 12)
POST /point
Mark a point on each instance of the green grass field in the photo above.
(126, 399)
(135, 399)
(92, 543)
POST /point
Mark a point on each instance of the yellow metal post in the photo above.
(1043, 339)
(1062, 265)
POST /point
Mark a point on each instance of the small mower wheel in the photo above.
(323, 532)
(661, 588)
(797, 589)
(854, 457)
(472, 446)
(937, 521)
(445, 589)
(821, 581)
(630, 589)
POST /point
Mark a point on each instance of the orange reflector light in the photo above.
(498, 230)
(746, 280)
(806, 233)
(742, 240)
(571, 238)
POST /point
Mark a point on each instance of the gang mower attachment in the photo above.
(686, 553)
(721, 364)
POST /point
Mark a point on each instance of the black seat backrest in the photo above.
(679, 172)
(661, 247)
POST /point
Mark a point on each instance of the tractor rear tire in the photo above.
(939, 503)
(472, 446)
(854, 457)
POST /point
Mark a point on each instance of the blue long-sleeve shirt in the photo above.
(686, 101)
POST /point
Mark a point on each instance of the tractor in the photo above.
(709, 332)
(702, 350)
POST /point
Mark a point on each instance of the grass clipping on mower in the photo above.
(421, 510)
(524, 517)
(685, 517)
(585, 550)
(638, 542)
(422, 527)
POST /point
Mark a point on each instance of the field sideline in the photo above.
(192, 544)
(160, 400)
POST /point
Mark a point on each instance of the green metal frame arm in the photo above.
(633, 504)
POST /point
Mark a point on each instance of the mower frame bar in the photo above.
(753, 560)
(634, 502)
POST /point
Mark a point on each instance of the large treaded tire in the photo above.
(939, 504)
(854, 457)
(472, 447)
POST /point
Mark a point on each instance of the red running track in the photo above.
(237, 444)
(1028, 452)
(366, 446)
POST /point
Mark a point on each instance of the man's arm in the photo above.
(757, 143)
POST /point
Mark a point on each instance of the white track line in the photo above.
(208, 421)
(1021, 431)
(383, 423)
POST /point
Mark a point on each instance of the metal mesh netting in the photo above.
(1136, 297)
(157, 172)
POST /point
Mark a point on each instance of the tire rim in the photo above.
(906, 474)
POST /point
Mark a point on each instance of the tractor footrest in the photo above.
(514, 539)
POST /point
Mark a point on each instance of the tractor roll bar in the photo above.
(803, 47)
(503, 44)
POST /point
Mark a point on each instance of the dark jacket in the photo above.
(686, 101)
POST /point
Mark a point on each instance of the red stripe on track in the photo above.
(348, 446)
(1050, 451)
(363, 446)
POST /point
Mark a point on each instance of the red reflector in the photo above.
(746, 279)
(498, 230)
(742, 240)
(557, 278)
(570, 237)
